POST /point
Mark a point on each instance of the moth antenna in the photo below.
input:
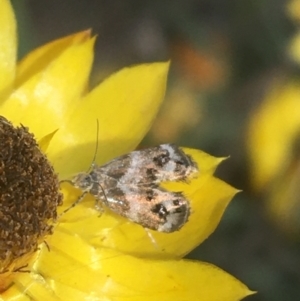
(95, 155)
(81, 197)
(96, 149)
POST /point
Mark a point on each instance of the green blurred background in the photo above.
(225, 55)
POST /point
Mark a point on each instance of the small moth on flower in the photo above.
(129, 186)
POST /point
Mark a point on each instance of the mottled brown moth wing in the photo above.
(166, 162)
(151, 207)
(129, 186)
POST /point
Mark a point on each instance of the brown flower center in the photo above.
(29, 195)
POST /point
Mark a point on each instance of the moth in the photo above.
(129, 186)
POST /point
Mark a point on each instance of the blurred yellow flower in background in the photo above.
(273, 143)
(293, 11)
(89, 257)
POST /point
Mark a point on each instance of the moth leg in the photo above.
(149, 234)
(21, 269)
(99, 206)
(5, 271)
(100, 201)
(103, 199)
(74, 204)
(47, 246)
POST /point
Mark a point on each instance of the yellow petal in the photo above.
(125, 105)
(208, 199)
(282, 200)
(294, 48)
(15, 294)
(272, 132)
(45, 141)
(73, 270)
(44, 101)
(8, 48)
(39, 59)
(293, 9)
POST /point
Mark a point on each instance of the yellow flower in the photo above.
(273, 144)
(293, 48)
(107, 257)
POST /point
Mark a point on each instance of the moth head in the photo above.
(82, 181)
